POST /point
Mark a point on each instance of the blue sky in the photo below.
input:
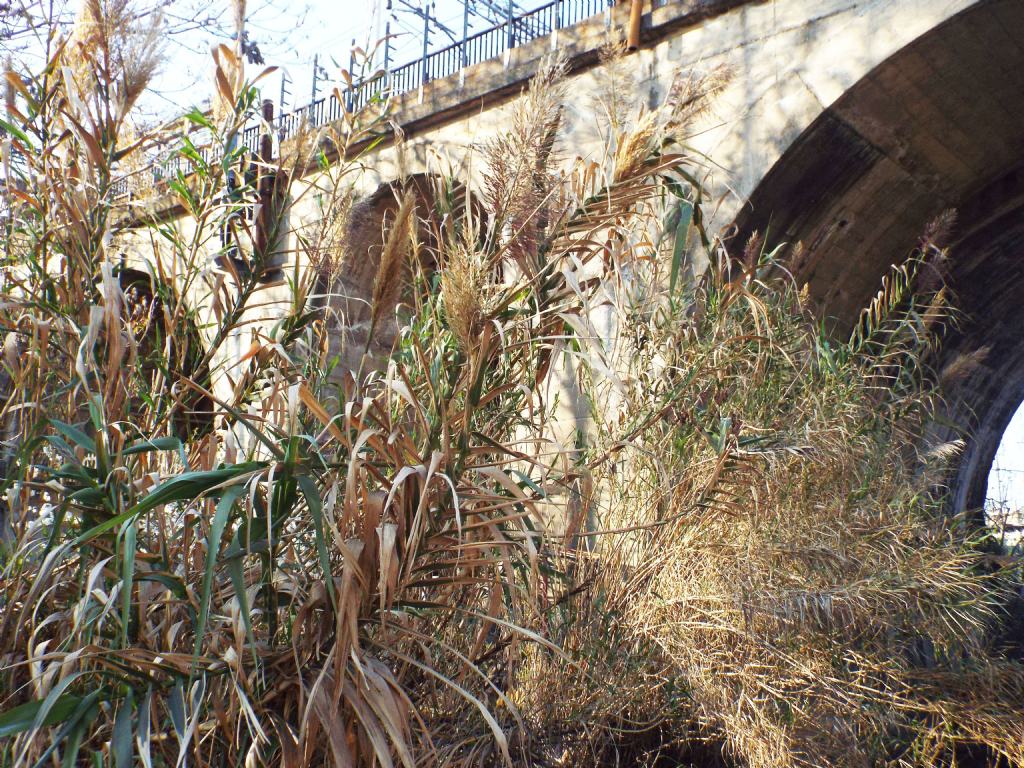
(1006, 481)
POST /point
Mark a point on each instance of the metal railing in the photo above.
(474, 49)
(483, 46)
(175, 162)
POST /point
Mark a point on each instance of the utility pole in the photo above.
(511, 31)
(425, 76)
(316, 76)
(352, 74)
(465, 32)
(319, 73)
(475, 15)
(492, 12)
(285, 90)
(286, 95)
(387, 41)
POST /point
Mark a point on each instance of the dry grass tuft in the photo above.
(464, 287)
(111, 44)
(394, 260)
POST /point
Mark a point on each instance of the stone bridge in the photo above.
(847, 126)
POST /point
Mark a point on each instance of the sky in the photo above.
(291, 34)
(1006, 480)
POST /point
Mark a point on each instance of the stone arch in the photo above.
(346, 285)
(937, 125)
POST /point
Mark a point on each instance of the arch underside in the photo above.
(346, 288)
(938, 125)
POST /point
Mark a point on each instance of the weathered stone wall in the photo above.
(846, 125)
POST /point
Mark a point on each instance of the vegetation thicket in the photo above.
(224, 547)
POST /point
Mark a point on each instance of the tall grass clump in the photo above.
(774, 578)
(484, 532)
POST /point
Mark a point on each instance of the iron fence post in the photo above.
(351, 75)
